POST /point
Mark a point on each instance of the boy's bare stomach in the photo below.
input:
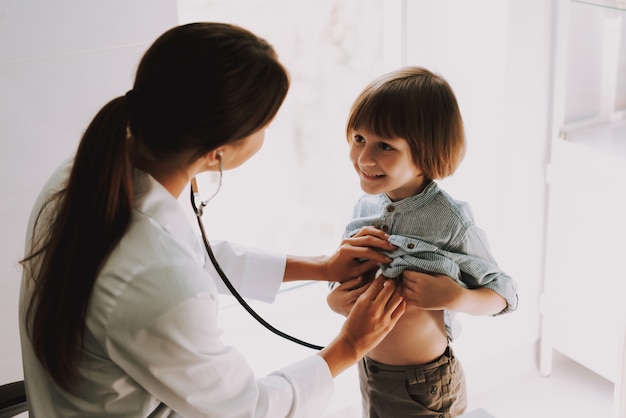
(419, 337)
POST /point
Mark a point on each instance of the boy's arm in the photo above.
(469, 262)
(482, 301)
(484, 273)
(436, 292)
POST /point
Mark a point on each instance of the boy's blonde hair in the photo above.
(419, 106)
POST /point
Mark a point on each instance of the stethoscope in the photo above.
(198, 207)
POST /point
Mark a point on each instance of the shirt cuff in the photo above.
(264, 274)
(255, 273)
(313, 386)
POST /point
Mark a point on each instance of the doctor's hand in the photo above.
(344, 295)
(372, 317)
(358, 254)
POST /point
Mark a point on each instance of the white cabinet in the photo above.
(584, 297)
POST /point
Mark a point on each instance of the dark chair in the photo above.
(12, 399)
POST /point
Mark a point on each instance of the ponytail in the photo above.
(92, 214)
(199, 86)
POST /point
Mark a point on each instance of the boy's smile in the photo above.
(385, 165)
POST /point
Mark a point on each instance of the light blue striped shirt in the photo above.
(435, 233)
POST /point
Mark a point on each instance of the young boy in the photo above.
(405, 130)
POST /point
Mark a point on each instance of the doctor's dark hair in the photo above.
(419, 106)
(198, 87)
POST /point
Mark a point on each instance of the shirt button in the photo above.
(390, 208)
(411, 246)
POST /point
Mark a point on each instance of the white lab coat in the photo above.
(153, 345)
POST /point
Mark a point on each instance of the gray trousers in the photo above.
(436, 389)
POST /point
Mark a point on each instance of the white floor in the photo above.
(517, 390)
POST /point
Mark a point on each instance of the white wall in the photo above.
(60, 61)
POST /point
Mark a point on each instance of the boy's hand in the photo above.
(342, 298)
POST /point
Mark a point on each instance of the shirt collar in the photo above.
(157, 203)
(412, 202)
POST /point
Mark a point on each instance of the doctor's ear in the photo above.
(214, 157)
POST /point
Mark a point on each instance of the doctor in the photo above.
(118, 310)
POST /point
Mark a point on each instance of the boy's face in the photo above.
(385, 165)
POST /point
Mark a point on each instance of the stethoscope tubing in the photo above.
(198, 211)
